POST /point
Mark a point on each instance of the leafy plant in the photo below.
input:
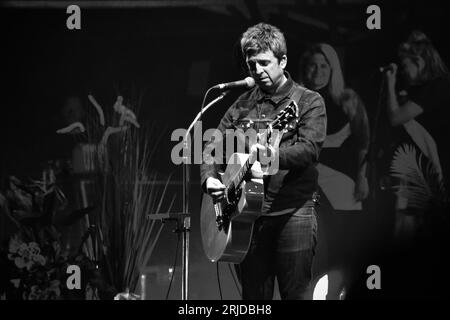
(419, 180)
(119, 156)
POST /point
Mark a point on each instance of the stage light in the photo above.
(321, 288)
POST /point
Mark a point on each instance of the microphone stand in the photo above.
(184, 218)
(371, 154)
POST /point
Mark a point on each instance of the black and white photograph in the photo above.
(224, 150)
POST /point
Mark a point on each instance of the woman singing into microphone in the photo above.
(420, 164)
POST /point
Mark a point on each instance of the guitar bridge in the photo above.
(219, 217)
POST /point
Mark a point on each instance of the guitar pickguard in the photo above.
(225, 209)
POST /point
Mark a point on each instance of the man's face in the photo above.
(267, 71)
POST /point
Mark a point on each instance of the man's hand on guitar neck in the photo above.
(256, 170)
(266, 155)
(215, 189)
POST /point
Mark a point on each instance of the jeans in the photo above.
(282, 247)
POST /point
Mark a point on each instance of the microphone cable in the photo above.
(370, 158)
(204, 101)
(236, 283)
(239, 290)
(224, 93)
(174, 266)
(218, 280)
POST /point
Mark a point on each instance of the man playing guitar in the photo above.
(284, 236)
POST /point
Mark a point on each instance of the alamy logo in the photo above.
(74, 280)
(74, 20)
(261, 145)
(374, 20)
(221, 146)
(374, 280)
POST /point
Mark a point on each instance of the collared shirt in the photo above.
(296, 180)
(260, 108)
(280, 94)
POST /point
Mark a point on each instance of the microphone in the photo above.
(248, 82)
(385, 68)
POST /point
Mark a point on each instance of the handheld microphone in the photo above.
(385, 68)
(248, 82)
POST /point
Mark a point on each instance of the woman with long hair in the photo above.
(342, 168)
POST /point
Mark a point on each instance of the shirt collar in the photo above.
(282, 92)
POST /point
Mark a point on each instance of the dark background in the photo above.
(169, 55)
(166, 54)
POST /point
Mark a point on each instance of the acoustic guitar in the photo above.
(227, 226)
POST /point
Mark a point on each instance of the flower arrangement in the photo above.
(25, 255)
(34, 262)
(36, 275)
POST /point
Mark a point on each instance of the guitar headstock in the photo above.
(287, 118)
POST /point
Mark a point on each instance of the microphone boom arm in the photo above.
(200, 114)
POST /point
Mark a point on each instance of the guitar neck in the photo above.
(243, 171)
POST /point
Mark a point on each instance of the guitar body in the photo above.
(227, 226)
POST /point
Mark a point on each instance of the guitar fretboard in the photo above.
(237, 181)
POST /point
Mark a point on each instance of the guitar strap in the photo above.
(297, 97)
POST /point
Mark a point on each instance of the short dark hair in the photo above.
(261, 38)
